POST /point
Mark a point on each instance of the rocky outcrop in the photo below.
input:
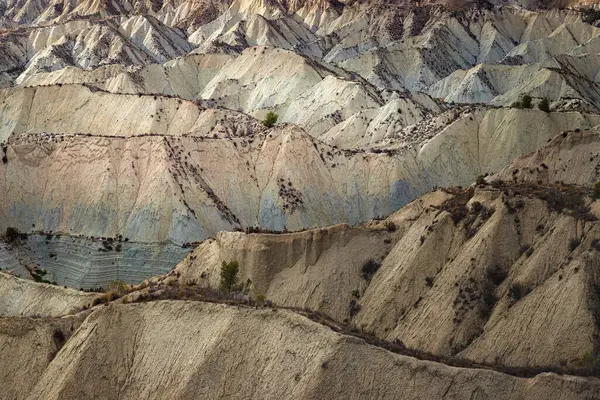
(490, 277)
(557, 78)
(83, 262)
(485, 276)
(167, 188)
(318, 270)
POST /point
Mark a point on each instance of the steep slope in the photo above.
(27, 346)
(478, 274)
(573, 157)
(166, 153)
(183, 172)
(208, 351)
(444, 300)
(140, 120)
(89, 43)
(22, 297)
(391, 46)
(316, 269)
(562, 77)
(487, 274)
(371, 264)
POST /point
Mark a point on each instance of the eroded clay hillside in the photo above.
(420, 222)
(461, 293)
(489, 291)
(286, 354)
(137, 125)
(487, 274)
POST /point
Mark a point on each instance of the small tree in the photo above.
(12, 234)
(369, 268)
(260, 299)
(229, 278)
(517, 291)
(270, 119)
(118, 286)
(597, 190)
(544, 105)
(480, 180)
(590, 15)
(526, 101)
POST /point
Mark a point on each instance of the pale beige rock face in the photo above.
(20, 297)
(27, 346)
(100, 91)
(528, 331)
(570, 158)
(516, 338)
(504, 84)
(436, 289)
(463, 302)
(151, 169)
(314, 269)
(141, 121)
(227, 352)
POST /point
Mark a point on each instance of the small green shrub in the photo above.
(590, 15)
(260, 300)
(353, 308)
(486, 213)
(390, 226)
(12, 234)
(369, 268)
(526, 101)
(118, 286)
(107, 244)
(38, 275)
(270, 119)
(544, 105)
(496, 275)
(596, 193)
(59, 337)
(229, 276)
(480, 180)
(517, 291)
